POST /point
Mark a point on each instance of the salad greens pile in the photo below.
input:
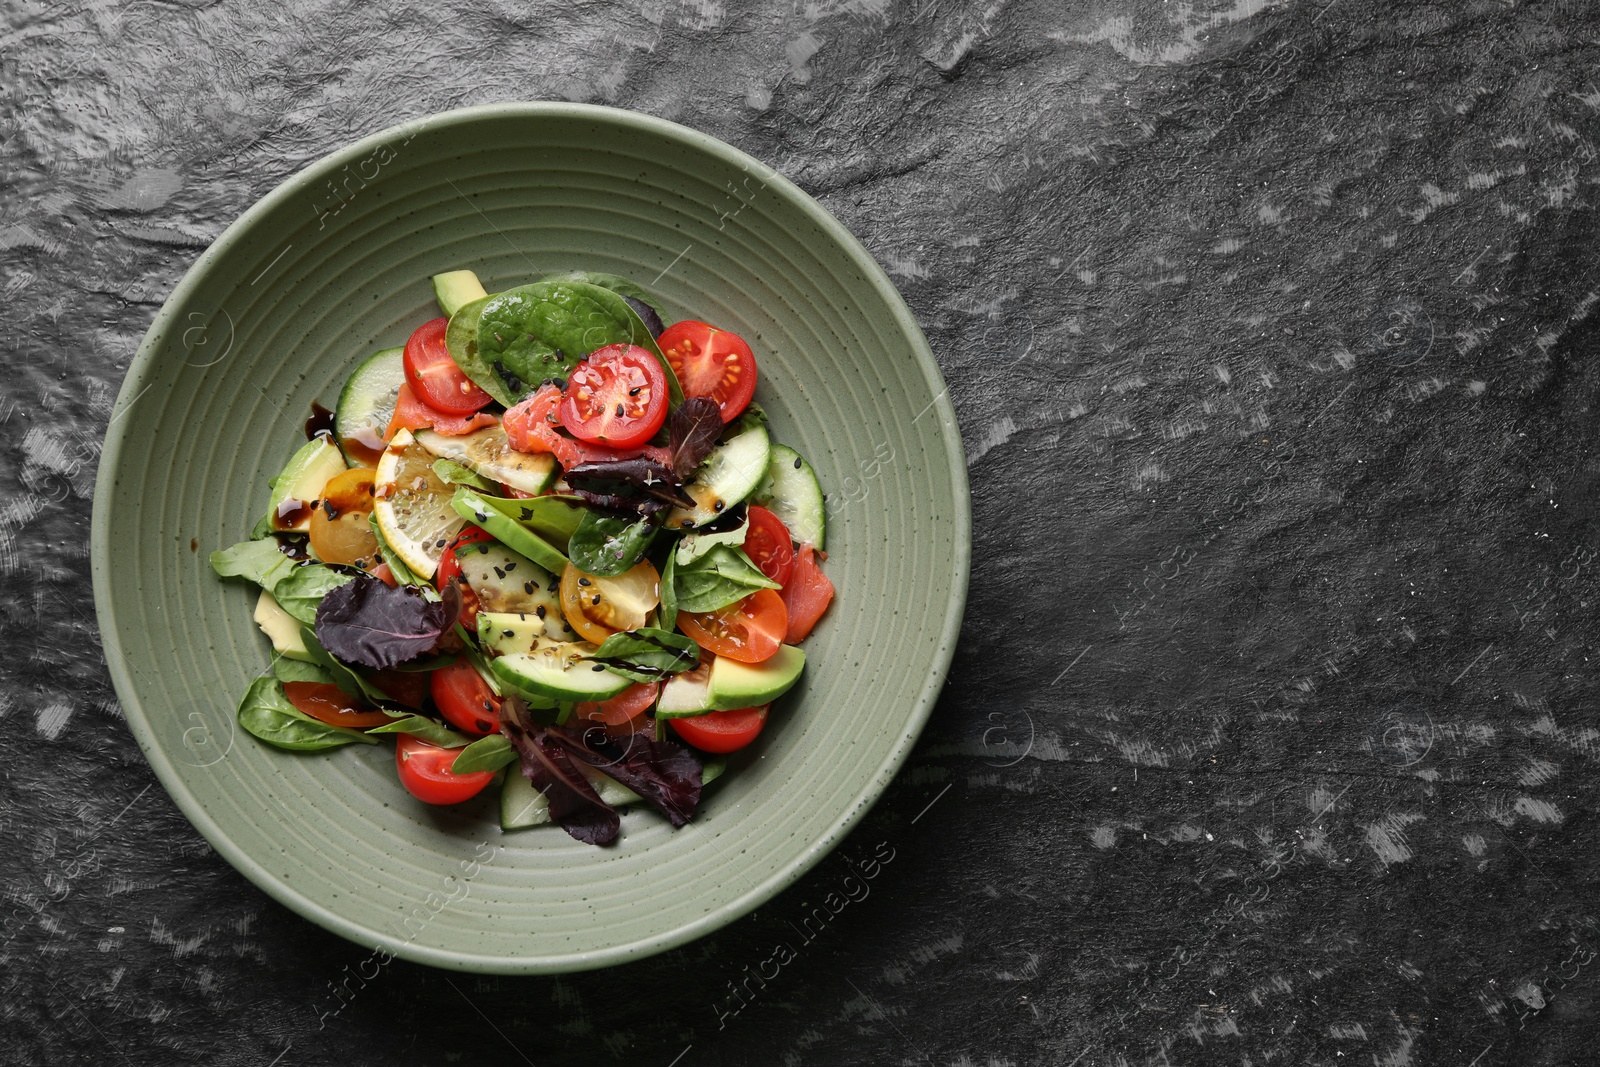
(549, 543)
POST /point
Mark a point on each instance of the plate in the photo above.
(333, 265)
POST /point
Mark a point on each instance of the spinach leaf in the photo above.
(541, 330)
(293, 670)
(615, 282)
(258, 561)
(452, 473)
(694, 545)
(717, 579)
(267, 713)
(667, 614)
(485, 754)
(647, 654)
(369, 624)
(692, 432)
(430, 730)
(605, 546)
(302, 589)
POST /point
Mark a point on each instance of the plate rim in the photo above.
(141, 367)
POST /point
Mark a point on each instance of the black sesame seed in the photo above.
(687, 524)
(483, 548)
(797, 462)
(620, 410)
(583, 581)
(539, 611)
(439, 543)
(635, 390)
(509, 633)
(498, 573)
(511, 566)
(527, 587)
(718, 506)
(596, 599)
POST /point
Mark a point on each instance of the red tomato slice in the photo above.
(330, 704)
(806, 595)
(616, 397)
(465, 699)
(531, 427)
(450, 567)
(748, 630)
(769, 545)
(412, 414)
(621, 710)
(434, 375)
(721, 731)
(711, 362)
(425, 772)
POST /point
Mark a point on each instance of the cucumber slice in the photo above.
(457, 288)
(488, 452)
(522, 806)
(513, 584)
(367, 404)
(503, 633)
(562, 671)
(792, 492)
(732, 471)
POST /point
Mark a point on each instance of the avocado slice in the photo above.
(297, 489)
(507, 633)
(455, 289)
(281, 628)
(562, 671)
(746, 685)
(487, 513)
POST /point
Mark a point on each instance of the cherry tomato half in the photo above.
(711, 362)
(330, 704)
(621, 710)
(340, 532)
(599, 607)
(721, 731)
(425, 772)
(748, 630)
(769, 545)
(465, 699)
(531, 427)
(806, 595)
(617, 397)
(434, 376)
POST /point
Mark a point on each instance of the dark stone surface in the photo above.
(1272, 738)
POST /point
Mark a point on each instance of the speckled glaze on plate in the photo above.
(333, 265)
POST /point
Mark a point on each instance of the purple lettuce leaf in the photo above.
(574, 805)
(692, 429)
(665, 774)
(369, 624)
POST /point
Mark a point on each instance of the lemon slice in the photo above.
(412, 505)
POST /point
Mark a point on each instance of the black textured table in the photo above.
(1273, 733)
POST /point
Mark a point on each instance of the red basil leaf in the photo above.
(665, 774)
(574, 805)
(369, 624)
(692, 429)
(637, 481)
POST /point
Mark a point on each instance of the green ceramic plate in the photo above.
(333, 265)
